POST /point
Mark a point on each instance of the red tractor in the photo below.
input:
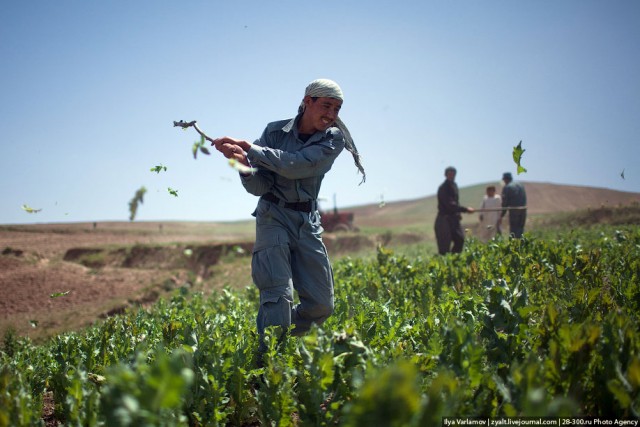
(337, 221)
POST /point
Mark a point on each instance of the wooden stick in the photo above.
(185, 125)
(500, 209)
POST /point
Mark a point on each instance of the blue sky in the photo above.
(90, 91)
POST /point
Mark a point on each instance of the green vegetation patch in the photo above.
(539, 326)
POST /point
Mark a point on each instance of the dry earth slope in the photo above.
(542, 198)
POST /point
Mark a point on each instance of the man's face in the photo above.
(451, 175)
(322, 112)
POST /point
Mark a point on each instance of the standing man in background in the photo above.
(447, 227)
(288, 163)
(490, 214)
(514, 195)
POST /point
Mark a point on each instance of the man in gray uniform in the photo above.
(288, 164)
(514, 195)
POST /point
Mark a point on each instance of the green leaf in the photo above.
(633, 372)
(59, 294)
(552, 313)
(617, 389)
(172, 192)
(29, 209)
(326, 367)
(518, 151)
(159, 168)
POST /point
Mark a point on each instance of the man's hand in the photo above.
(232, 148)
(244, 145)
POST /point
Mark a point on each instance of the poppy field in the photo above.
(546, 325)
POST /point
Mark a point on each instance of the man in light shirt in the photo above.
(490, 218)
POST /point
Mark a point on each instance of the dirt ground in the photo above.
(59, 278)
(33, 270)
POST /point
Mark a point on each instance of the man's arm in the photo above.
(447, 199)
(312, 160)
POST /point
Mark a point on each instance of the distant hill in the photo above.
(542, 198)
(412, 216)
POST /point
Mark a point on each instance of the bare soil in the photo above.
(40, 262)
(55, 278)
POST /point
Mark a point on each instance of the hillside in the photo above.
(543, 199)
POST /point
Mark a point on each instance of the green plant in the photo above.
(520, 327)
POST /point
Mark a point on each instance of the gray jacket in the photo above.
(288, 167)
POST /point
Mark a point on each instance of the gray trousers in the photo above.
(289, 254)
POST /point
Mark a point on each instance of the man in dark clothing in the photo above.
(514, 195)
(447, 226)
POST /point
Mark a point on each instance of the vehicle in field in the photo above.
(334, 221)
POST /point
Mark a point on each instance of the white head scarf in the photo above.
(325, 88)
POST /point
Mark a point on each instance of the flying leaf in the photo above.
(29, 209)
(172, 192)
(59, 294)
(240, 167)
(199, 145)
(159, 168)
(133, 204)
(518, 151)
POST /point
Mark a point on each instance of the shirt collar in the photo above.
(292, 126)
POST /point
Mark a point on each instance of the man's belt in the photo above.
(296, 206)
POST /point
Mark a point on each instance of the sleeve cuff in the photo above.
(253, 154)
